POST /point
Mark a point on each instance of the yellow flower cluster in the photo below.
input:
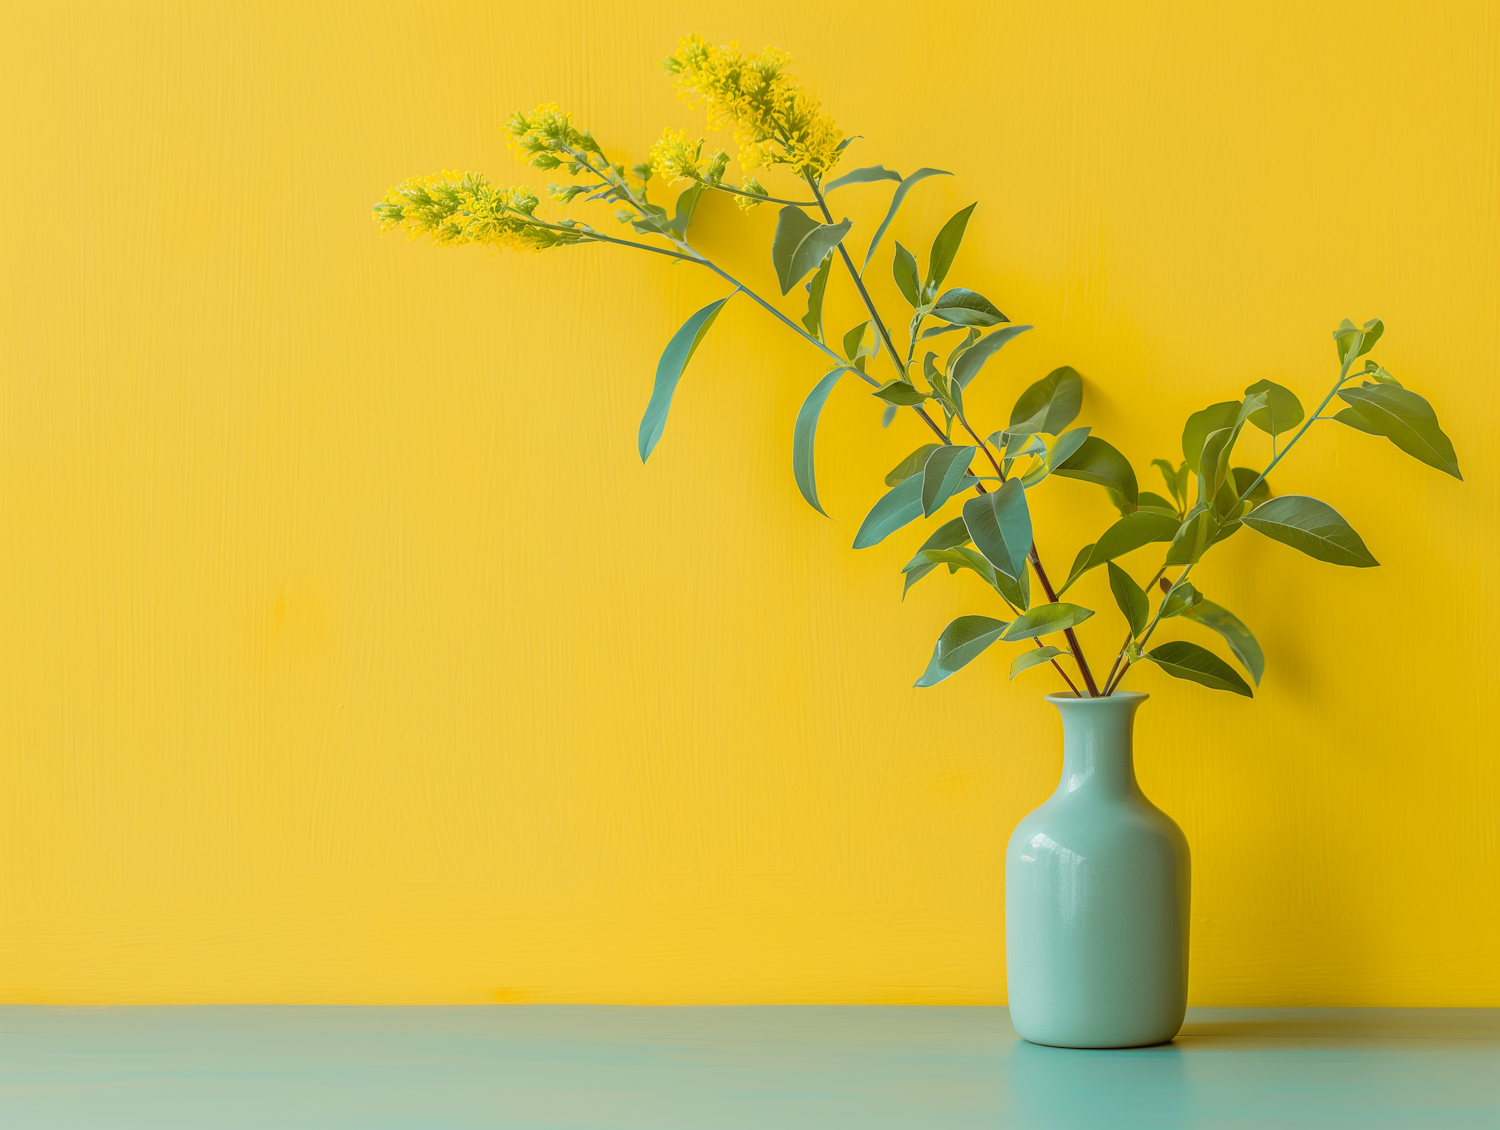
(775, 122)
(458, 208)
(745, 203)
(540, 136)
(676, 157)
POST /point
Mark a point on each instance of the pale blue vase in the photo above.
(1097, 882)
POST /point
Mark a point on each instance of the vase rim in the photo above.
(1069, 698)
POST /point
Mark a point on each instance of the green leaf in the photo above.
(860, 342)
(896, 198)
(1351, 342)
(933, 331)
(1029, 659)
(1192, 539)
(908, 277)
(1080, 566)
(1243, 477)
(669, 369)
(898, 506)
(1000, 524)
(888, 415)
(802, 438)
(961, 643)
(972, 359)
(1353, 419)
(944, 475)
(1132, 599)
(915, 575)
(1169, 473)
(1283, 411)
(1061, 451)
(1098, 462)
(800, 244)
(1313, 527)
(1218, 446)
(1016, 590)
(1202, 424)
(1239, 638)
(1049, 405)
(900, 393)
(862, 176)
(950, 535)
(963, 307)
(944, 248)
(962, 558)
(911, 464)
(1179, 598)
(1407, 420)
(1142, 527)
(1375, 373)
(1149, 500)
(686, 202)
(812, 321)
(1045, 619)
(1184, 660)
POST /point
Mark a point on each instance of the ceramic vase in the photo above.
(1097, 883)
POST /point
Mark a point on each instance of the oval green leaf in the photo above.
(900, 505)
(963, 307)
(1037, 655)
(1134, 605)
(1236, 635)
(1049, 405)
(908, 277)
(911, 464)
(1314, 527)
(944, 475)
(945, 248)
(1000, 524)
(1283, 411)
(961, 642)
(1407, 420)
(1183, 660)
(1098, 462)
(800, 244)
(1045, 619)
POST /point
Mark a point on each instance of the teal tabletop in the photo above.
(578, 1066)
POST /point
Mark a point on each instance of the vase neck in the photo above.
(1098, 752)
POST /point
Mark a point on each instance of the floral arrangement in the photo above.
(775, 123)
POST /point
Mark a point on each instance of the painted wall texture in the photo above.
(348, 653)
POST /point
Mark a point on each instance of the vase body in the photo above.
(1097, 883)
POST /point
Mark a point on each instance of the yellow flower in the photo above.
(774, 120)
(745, 203)
(543, 137)
(457, 208)
(676, 157)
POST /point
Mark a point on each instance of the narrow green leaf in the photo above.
(860, 342)
(669, 369)
(1150, 500)
(1049, 405)
(944, 248)
(896, 198)
(944, 476)
(961, 642)
(1132, 599)
(1045, 619)
(963, 557)
(1000, 524)
(800, 244)
(900, 393)
(803, 434)
(1098, 462)
(1179, 598)
(966, 308)
(908, 277)
(861, 176)
(1407, 420)
(1184, 660)
(888, 415)
(1313, 527)
(934, 331)
(915, 575)
(1239, 638)
(972, 359)
(812, 321)
(911, 464)
(1283, 411)
(900, 505)
(1037, 655)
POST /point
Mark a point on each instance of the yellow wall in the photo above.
(348, 653)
